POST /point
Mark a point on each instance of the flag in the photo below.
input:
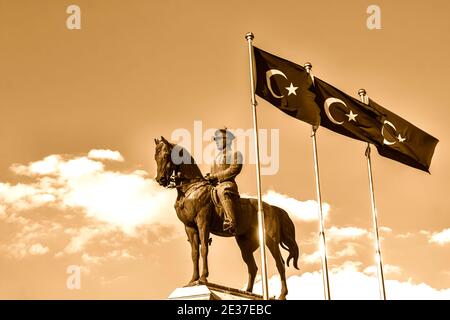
(286, 85)
(404, 142)
(346, 115)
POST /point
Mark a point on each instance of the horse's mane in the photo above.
(190, 167)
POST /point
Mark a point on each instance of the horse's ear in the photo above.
(156, 141)
(164, 140)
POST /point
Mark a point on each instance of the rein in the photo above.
(176, 180)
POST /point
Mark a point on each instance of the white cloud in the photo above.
(103, 154)
(387, 269)
(26, 241)
(312, 258)
(19, 196)
(441, 238)
(82, 237)
(301, 210)
(38, 249)
(348, 251)
(346, 283)
(88, 259)
(345, 233)
(55, 165)
(385, 229)
(47, 166)
(78, 168)
(315, 257)
(405, 235)
(127, 200)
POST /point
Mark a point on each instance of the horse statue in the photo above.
(195, 207)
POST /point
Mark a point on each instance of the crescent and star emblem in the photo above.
(272, 72)
(327, 106)
(386, 141)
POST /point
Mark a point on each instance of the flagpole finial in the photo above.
(308, 66)
(249, 35)
(362, 92)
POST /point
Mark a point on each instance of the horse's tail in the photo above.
(288, 237)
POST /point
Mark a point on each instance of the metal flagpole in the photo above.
(322, 242)
(262, 237)
(362, 94)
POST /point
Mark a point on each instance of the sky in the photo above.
(79, 110)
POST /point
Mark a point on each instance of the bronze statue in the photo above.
(196, 209)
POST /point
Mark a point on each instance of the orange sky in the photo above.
(139, 69)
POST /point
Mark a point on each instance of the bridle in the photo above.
(176, 178)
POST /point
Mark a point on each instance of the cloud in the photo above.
(312, 258)
(103, 201)
(346, 233)
(22, 196)
(38, 249)
(441, 238)
(47, 166)
(387, 269)
(27, 241)
(83, 236)
(405, 235)
(102, 154)
(348, 251)
(127, 200)
(385, 229)
(301, 210)
(348, 283)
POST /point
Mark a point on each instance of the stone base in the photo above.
(211, 291)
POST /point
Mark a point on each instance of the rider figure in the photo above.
(227, 165)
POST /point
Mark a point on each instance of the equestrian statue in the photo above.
(211, 204)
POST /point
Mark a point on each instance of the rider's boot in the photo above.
(230, 208)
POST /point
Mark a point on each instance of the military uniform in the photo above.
(227, 165)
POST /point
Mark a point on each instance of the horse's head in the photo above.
(164, 163)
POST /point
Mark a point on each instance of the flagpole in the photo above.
(322, 242)
(262, 237)
(362, 94)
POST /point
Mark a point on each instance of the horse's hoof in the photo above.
(203, 280)
(282, 297)
(192, 283)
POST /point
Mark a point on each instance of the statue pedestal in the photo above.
(211, 291)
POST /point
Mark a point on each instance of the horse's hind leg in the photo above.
(275, 250)
(248, 246)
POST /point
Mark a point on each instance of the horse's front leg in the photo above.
(193, 240)
(203, 231)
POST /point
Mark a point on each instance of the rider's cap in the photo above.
(224, 131)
